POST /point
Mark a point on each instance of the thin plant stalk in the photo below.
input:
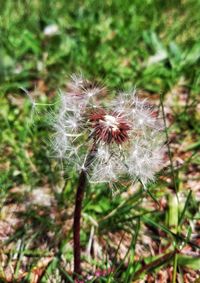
(175, 268)
(77, 219)
(77, 212)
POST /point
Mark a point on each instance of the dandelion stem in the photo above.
(77, 218)
(77, 212)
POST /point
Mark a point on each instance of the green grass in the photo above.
(114, 42)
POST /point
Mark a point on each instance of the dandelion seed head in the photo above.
(126, 132)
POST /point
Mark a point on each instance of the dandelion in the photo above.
(126, 133)
(107, 141)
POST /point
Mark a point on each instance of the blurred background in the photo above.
(151, 45)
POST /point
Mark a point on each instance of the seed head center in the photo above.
(111, 122)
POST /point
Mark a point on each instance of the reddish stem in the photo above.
(77, 220)
(77, 212)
